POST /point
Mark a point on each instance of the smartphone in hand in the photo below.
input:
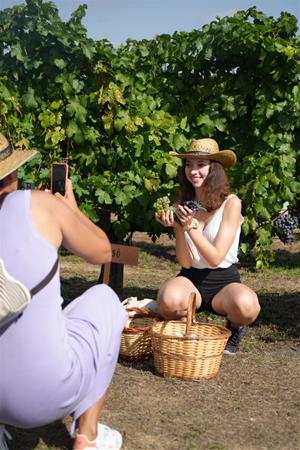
(59, 176)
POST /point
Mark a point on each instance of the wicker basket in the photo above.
(188, 350)
(136, 337)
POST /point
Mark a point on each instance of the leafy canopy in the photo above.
(115, 113)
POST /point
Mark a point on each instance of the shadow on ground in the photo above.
(278, 311)
(53, 435)
(285, 259)
(72, 288)
(75, 286)
(281, 311)
(166, 252)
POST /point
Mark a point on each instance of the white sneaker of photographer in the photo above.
(108, 438)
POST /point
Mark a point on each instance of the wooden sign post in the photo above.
(121, 254)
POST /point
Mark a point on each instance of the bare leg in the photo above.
(88, 421)
(173, 296)
(238, 302)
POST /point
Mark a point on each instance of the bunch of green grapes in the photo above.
(162, 204)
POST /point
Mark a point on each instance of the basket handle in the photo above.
(190, 313)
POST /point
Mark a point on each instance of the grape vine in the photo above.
(117, 112)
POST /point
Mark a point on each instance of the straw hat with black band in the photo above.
(208, 149)
(10, 159)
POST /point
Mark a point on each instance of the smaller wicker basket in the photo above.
(188, 350)
(136, 337)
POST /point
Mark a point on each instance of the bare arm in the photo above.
(63, 224)
(70, 200)
(183, 253)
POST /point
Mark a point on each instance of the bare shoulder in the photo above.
(47, 214)
(234, 201)
(233, 204)
(45, 200)
(46, 204)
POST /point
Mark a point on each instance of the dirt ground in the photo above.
(252, 404)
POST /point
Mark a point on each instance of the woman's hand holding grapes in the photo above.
(166, 218)
(184, 214)
(164, 212)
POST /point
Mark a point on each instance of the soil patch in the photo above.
(252, 404)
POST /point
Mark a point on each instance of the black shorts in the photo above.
(210, 281)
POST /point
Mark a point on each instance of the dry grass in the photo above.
(253, 403)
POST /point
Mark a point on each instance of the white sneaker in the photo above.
(4, 433)
(108, 439)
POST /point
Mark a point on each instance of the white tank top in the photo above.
(210, 232)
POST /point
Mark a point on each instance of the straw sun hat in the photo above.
(11, 159)
(208, 149)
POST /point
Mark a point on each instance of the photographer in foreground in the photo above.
(54, 362)
(207, 240)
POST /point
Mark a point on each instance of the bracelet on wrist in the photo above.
(193, 225)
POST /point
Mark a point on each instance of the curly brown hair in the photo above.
(216, 186)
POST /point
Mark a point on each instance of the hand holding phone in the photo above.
(59, 176)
